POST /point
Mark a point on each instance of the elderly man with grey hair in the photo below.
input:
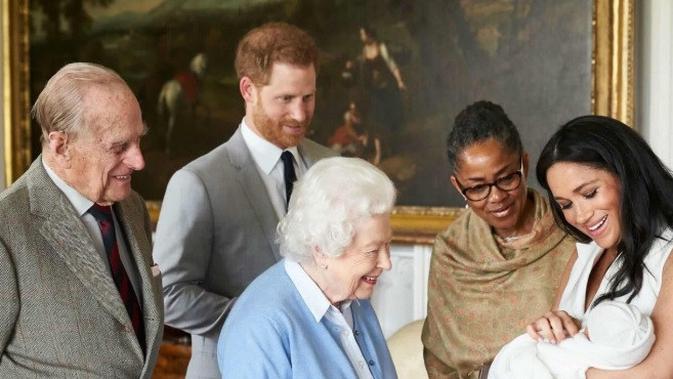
(309, 316)
(79, 298)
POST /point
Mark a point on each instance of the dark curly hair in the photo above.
(478, 122)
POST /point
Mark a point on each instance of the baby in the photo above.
(615, 336)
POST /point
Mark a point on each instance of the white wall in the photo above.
(654, 75)
(401, 293)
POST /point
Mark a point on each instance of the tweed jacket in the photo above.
(61, 313)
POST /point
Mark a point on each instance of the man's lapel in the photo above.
(131, 219)
(254, 189)
(63, 230)
(311, 152)
(305, 154)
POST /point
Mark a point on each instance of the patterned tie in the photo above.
(288, 174)
(103, 215)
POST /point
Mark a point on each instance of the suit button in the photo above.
(371, 362)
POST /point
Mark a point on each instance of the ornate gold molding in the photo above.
(420, 225)
(613, 57)
(7, 94)
(16, 99)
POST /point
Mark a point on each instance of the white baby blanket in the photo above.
(619, 337)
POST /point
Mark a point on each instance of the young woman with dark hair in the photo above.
(609, 190)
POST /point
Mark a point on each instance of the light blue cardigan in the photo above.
(271, 333)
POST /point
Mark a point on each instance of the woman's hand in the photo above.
(553, 327)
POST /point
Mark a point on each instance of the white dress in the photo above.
(574, 294)
(524, 358)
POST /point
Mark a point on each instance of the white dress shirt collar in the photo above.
(78, 201)
(313, 297)
(265, 153)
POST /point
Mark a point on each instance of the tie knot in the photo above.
(101, 212)
(287, 158)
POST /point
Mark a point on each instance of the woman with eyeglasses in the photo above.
(498, 265)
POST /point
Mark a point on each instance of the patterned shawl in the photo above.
(483, 290)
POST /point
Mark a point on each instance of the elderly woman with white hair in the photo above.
(309, 316)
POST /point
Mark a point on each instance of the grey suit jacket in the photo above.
(216, 233)
(61, 314)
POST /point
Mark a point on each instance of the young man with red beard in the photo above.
(217, 227)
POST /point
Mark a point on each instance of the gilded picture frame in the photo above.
(612, 93)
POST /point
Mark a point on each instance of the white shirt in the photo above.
(574, 294)
(320, 307)
(82, 205)
(270, 167)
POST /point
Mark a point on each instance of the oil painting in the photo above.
(393, 73)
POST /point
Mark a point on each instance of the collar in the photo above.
(78, 201)
(313, 297)
(265, 154)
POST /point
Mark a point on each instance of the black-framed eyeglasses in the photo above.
(481, 191)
